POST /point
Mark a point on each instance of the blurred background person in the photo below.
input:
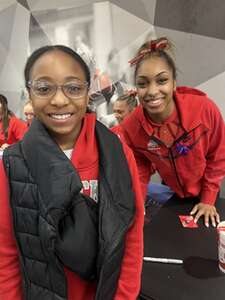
(101, 93)
(28, 112)
(11, 128)
(124, 105)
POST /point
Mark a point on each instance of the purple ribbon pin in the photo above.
(182, 149)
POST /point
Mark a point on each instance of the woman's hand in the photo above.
(208, 211)
(4, 146)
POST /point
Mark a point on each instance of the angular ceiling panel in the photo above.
(203, 17)
(198, 58)
(215, 90)
(41, 5)
(37, 35)
(24, 4)
(7, 17)
(121, 21)
(11, 71)
(143, 9)
(6, 3)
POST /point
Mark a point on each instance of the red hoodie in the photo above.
(195, 164)
(16, 131)
(78, 289)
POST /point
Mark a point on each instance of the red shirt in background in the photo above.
(16, 131)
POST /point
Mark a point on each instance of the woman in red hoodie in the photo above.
(179, 131)
(11, 128)
(71, 226)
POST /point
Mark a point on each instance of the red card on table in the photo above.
(188, 221)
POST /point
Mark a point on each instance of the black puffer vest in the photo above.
(43, 183)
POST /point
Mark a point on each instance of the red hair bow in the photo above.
(154, 45)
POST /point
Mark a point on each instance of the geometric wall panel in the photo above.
(15, 43)
(198, 57)
(7, 16)
(215, 90)
(195, 27)
(203, 17)
(37, 36)
(6, 3)
(24, 3)
(143, 9)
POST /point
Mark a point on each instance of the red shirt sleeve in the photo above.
(130, 276)
(10, 276)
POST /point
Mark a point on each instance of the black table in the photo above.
(199, 277)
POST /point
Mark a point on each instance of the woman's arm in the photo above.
(215, 168)
(130, 276)
(10, 276)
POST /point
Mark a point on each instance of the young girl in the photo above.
(11, 128)
(71, 226)
(179, 131)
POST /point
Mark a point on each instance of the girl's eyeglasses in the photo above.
(46, 90)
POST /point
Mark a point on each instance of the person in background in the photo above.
(71, 226)
(124, 105)
(178, 130)
(11, 128)
(28, 112)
